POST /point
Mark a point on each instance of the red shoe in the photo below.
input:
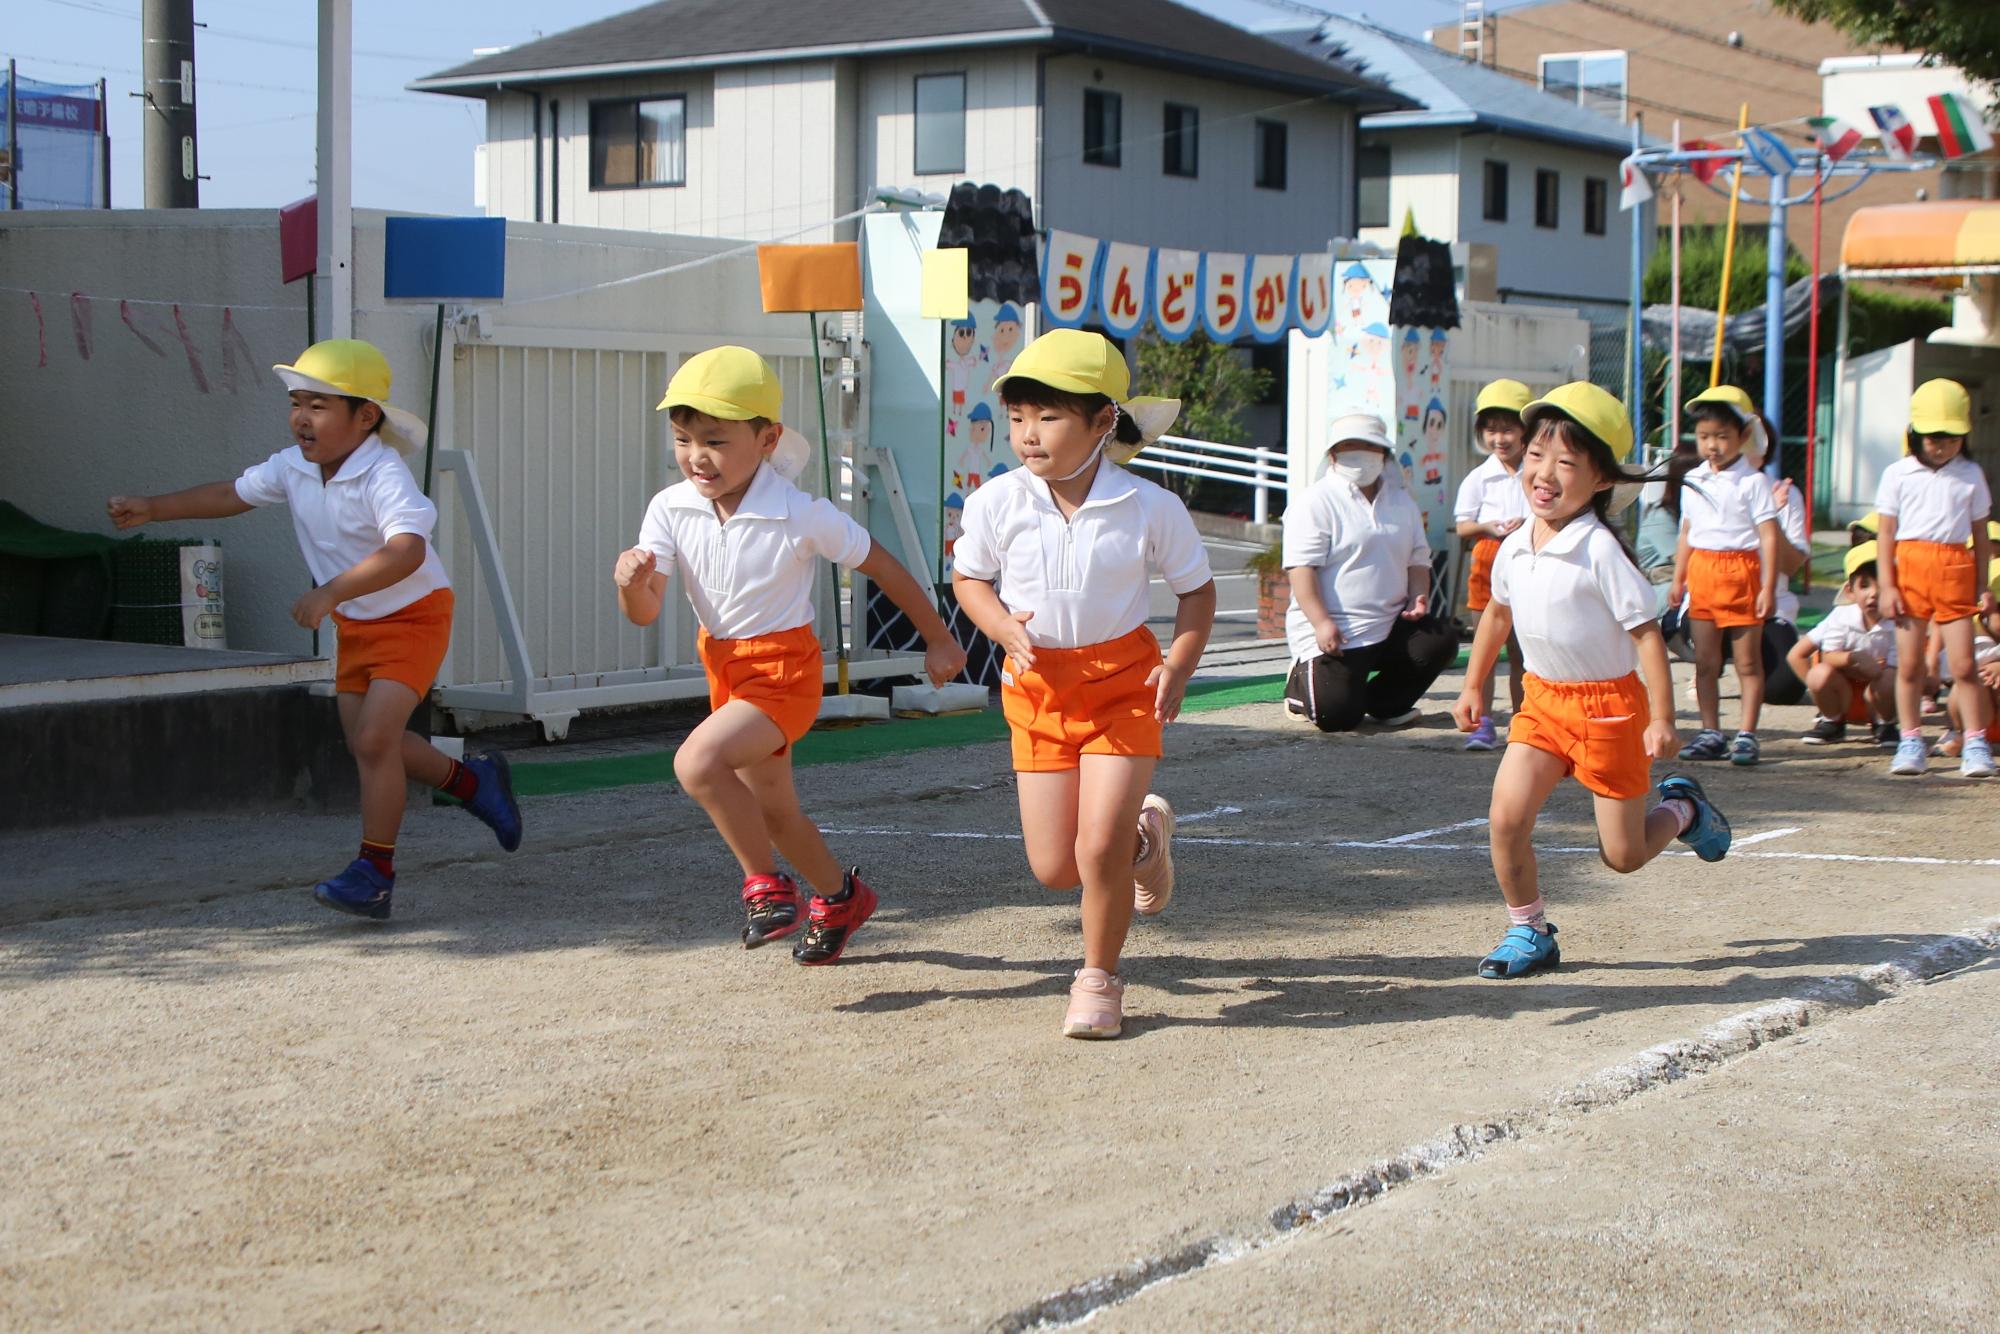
(770, 908)
(830, 925)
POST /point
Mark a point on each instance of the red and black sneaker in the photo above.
(830, 924)
(770, 908)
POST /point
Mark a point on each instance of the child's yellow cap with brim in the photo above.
(1729, 396)
(1856, 556)
(351, 368)
(1079, 362)
(730, 383)
(1941, 407)
(1504, 395)
(1589, 407)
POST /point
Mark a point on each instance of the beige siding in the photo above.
(1423, 178)
(1000, 120)
(1538, 262)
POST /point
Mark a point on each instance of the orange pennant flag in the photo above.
(810, 277)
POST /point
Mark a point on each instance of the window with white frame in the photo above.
(637, 143)
(940, 124)
(1594, 80)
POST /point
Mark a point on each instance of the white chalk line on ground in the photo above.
(1669, 1062)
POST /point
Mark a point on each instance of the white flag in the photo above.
(1637, 189)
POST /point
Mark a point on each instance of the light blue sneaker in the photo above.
(1910, 757)
(1977, 761)
(1523, 950)
(1709, 835)
(1483, 737)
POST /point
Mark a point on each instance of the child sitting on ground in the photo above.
(1848, 660)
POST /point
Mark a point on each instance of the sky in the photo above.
(255, 73)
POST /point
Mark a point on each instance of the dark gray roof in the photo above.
(684, 34)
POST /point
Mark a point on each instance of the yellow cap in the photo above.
(1075, 362)
(1589, 407)
(730, 383)
(354, 369)
(1862, 553)
(1736, 400)
(1506, 395)
(1871, 522)
(1941, 407)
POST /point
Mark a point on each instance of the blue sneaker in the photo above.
(1744, 749)
(493, 802)
(1708, 744)
(360, 890)
(1523, 950)
(1911, 758)
(1484, 736)
(1709, 835)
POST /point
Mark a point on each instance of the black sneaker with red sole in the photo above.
(770, 908)
(830, 925)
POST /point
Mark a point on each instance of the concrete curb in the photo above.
(1711, 1050)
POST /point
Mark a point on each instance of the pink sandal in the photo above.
(1096, 1005)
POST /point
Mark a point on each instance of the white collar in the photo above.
(1566, 538)
(365, 456)
(763, 499)
(1111, 484)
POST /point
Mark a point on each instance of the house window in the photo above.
(940, 124)
(1182, 140)
(1548, 199)
(1594, 80)
(1371, 186)
(1103, 128)
(638, 143)
(1494, 192)
(1596, 205)
(1270, 155)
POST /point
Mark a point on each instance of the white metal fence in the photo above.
(1261, 470)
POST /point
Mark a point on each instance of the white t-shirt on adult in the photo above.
(1575, 602)
(1792, 529)
(1085, 578)
(1490, 494)
(1361, 552)
(342, 520)
(754, 574)
(1721, 510)
(1844, 631)
(1934, 504)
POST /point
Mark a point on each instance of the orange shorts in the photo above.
(1723, 587)
(1935, 579)
(1598, 728)
(407, 646)
(783, 674)
(1479, 584)
(1073, 702)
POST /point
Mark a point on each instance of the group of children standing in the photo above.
(1054, 566)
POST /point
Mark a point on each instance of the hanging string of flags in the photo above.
(1226, 295)
(155, 333)
(1961, 130)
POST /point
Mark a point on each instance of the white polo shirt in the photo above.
(1934, 504)
(754, 574)
(1575, 602)
(1721, 510)
(1792, 529)
(1490, 494)
(1844, 632)
(342, 521)
(1361, 552)
(1085, 578)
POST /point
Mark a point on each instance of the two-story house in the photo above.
(1134, 120)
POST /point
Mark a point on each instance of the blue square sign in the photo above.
(445, 259)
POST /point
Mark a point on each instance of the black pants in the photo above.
(1781, 683)
(1382, 680)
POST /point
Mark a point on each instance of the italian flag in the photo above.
(1961, 128)
(1836, 137)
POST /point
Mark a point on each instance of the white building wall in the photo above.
(1539, 263)
(1423, 177)
(1221, 208)
(1000, 120)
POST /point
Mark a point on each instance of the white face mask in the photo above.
(1362, 467)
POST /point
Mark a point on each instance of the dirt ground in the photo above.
(555, 1092)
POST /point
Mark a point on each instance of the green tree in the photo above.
(1214, 382)
(1965, 33)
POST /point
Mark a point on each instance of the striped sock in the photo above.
(461, 782)
(381, 856)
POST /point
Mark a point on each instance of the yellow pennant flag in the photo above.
(947, 282)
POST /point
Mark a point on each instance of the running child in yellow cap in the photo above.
(1566, 585)
(1492, 504)
(364, 528)
(747, 545)
(1053, 566)
(1727, 568)
(1934, 504)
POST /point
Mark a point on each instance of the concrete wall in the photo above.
(1221, 209)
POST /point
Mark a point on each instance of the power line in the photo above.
(1696, 34)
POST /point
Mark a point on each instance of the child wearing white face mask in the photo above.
(1363, 640)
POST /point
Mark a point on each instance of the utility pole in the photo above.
(172, 168)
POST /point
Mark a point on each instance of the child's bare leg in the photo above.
(1110, 789)
(1048, 825)
(796, 836)
(1830, 689)
(1526, 778)
(734, 737)
(1968, 693)
(1707, 672)
(1911, 669)
(424, 762)
(375, 724)
(1748, 650)
(1515, 686)
(1631, 831)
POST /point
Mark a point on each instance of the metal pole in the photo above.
(826, 473)
(1635, 356)
(430, 422)
(944, 327)
(104, 143)
(1774, 319)
(335, 185)
(1673, 431)
(1812, 373)
(173, 168)
(1728, 255)
(13, 139)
